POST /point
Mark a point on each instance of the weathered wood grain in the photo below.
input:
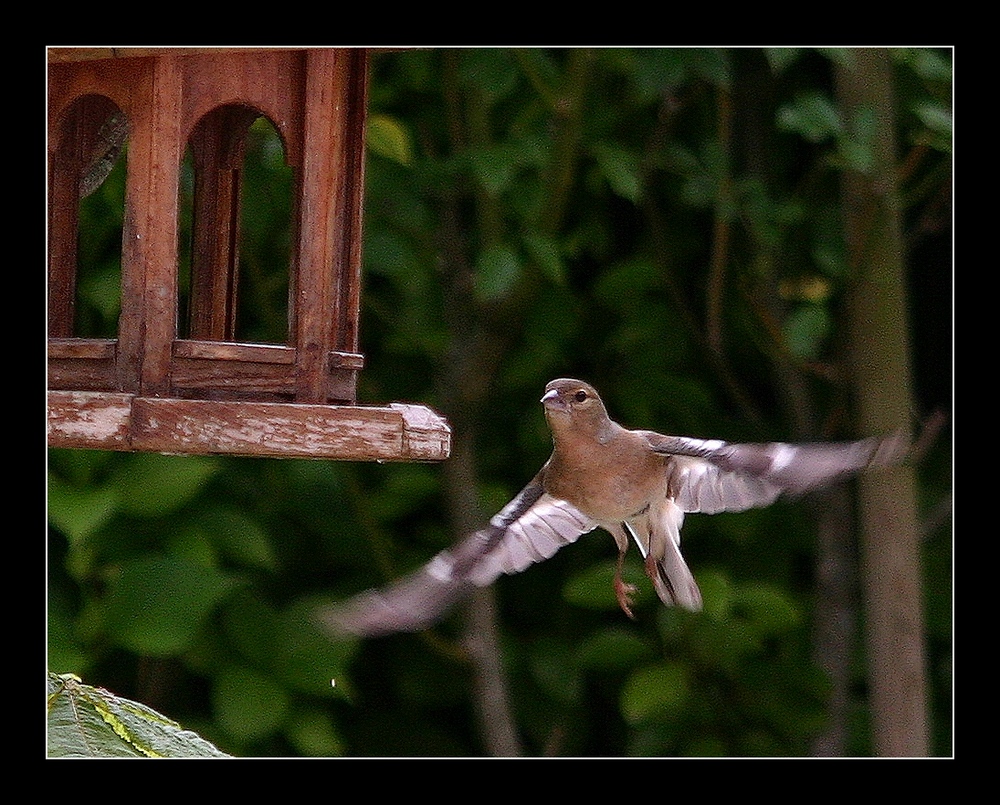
(89, 419)
(397, 432)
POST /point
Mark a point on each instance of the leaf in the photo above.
(238, 536)
(248, 705)
(152, 485)
(91, 722)
(655, 71)
(806, 330)
(313, 732)
(497, 270)
(406, 489)
(612, 649)
(931, 65)
(854, 155)
(544, 250)
(712, 65)
(496, 166)
(623, 285)
(936, 118)
(305, 658)
(251, 627)
(102, 290)
(621, 169)
(289, 644)
(716, 592)
(491, 72)
(766, 608)
(657, 690)
(79, 511)
(388, 138)
(157, 604)
(812, 115)
(855, 149)
(781, 58)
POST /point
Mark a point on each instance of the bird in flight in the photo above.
(635, 484)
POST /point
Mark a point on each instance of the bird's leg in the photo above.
(623, 590)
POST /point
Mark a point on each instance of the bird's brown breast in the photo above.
(609, 482)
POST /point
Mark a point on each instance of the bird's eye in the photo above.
(580, 396)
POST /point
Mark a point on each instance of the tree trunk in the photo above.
(481, 639)
(880, 376)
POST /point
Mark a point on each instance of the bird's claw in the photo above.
(624, 592)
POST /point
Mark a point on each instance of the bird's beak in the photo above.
(549, 399)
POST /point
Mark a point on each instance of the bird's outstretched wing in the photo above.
(532, 527)
(708, 475)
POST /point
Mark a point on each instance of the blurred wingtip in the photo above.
(930, 429)
(890, 450)
(364, 615)
(335, 622)
(899, 447)
(411, 604)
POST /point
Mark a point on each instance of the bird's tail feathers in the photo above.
(673, 580)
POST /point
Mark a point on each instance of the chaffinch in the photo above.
(635, 484)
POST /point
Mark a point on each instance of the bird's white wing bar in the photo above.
(710, 476)
(700, 486)
(797, 468)
(536, 535)
(529, 529)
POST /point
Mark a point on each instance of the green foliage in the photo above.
(175, 565)
(156, 605)
(530, 214)
(86, 722)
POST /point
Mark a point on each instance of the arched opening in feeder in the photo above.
(87, 185)
(236, 230)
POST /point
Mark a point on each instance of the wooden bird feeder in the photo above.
(208, 392)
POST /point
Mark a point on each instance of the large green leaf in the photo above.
(78, 511)
(305, 658)
(87, 722)
(289, 644)
(152, 485)
(157, 604)
(655, 691)
(236, 535)
(248, 704)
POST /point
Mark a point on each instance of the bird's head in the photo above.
(566, 400)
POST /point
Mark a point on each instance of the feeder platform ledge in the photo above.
(115, 421)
